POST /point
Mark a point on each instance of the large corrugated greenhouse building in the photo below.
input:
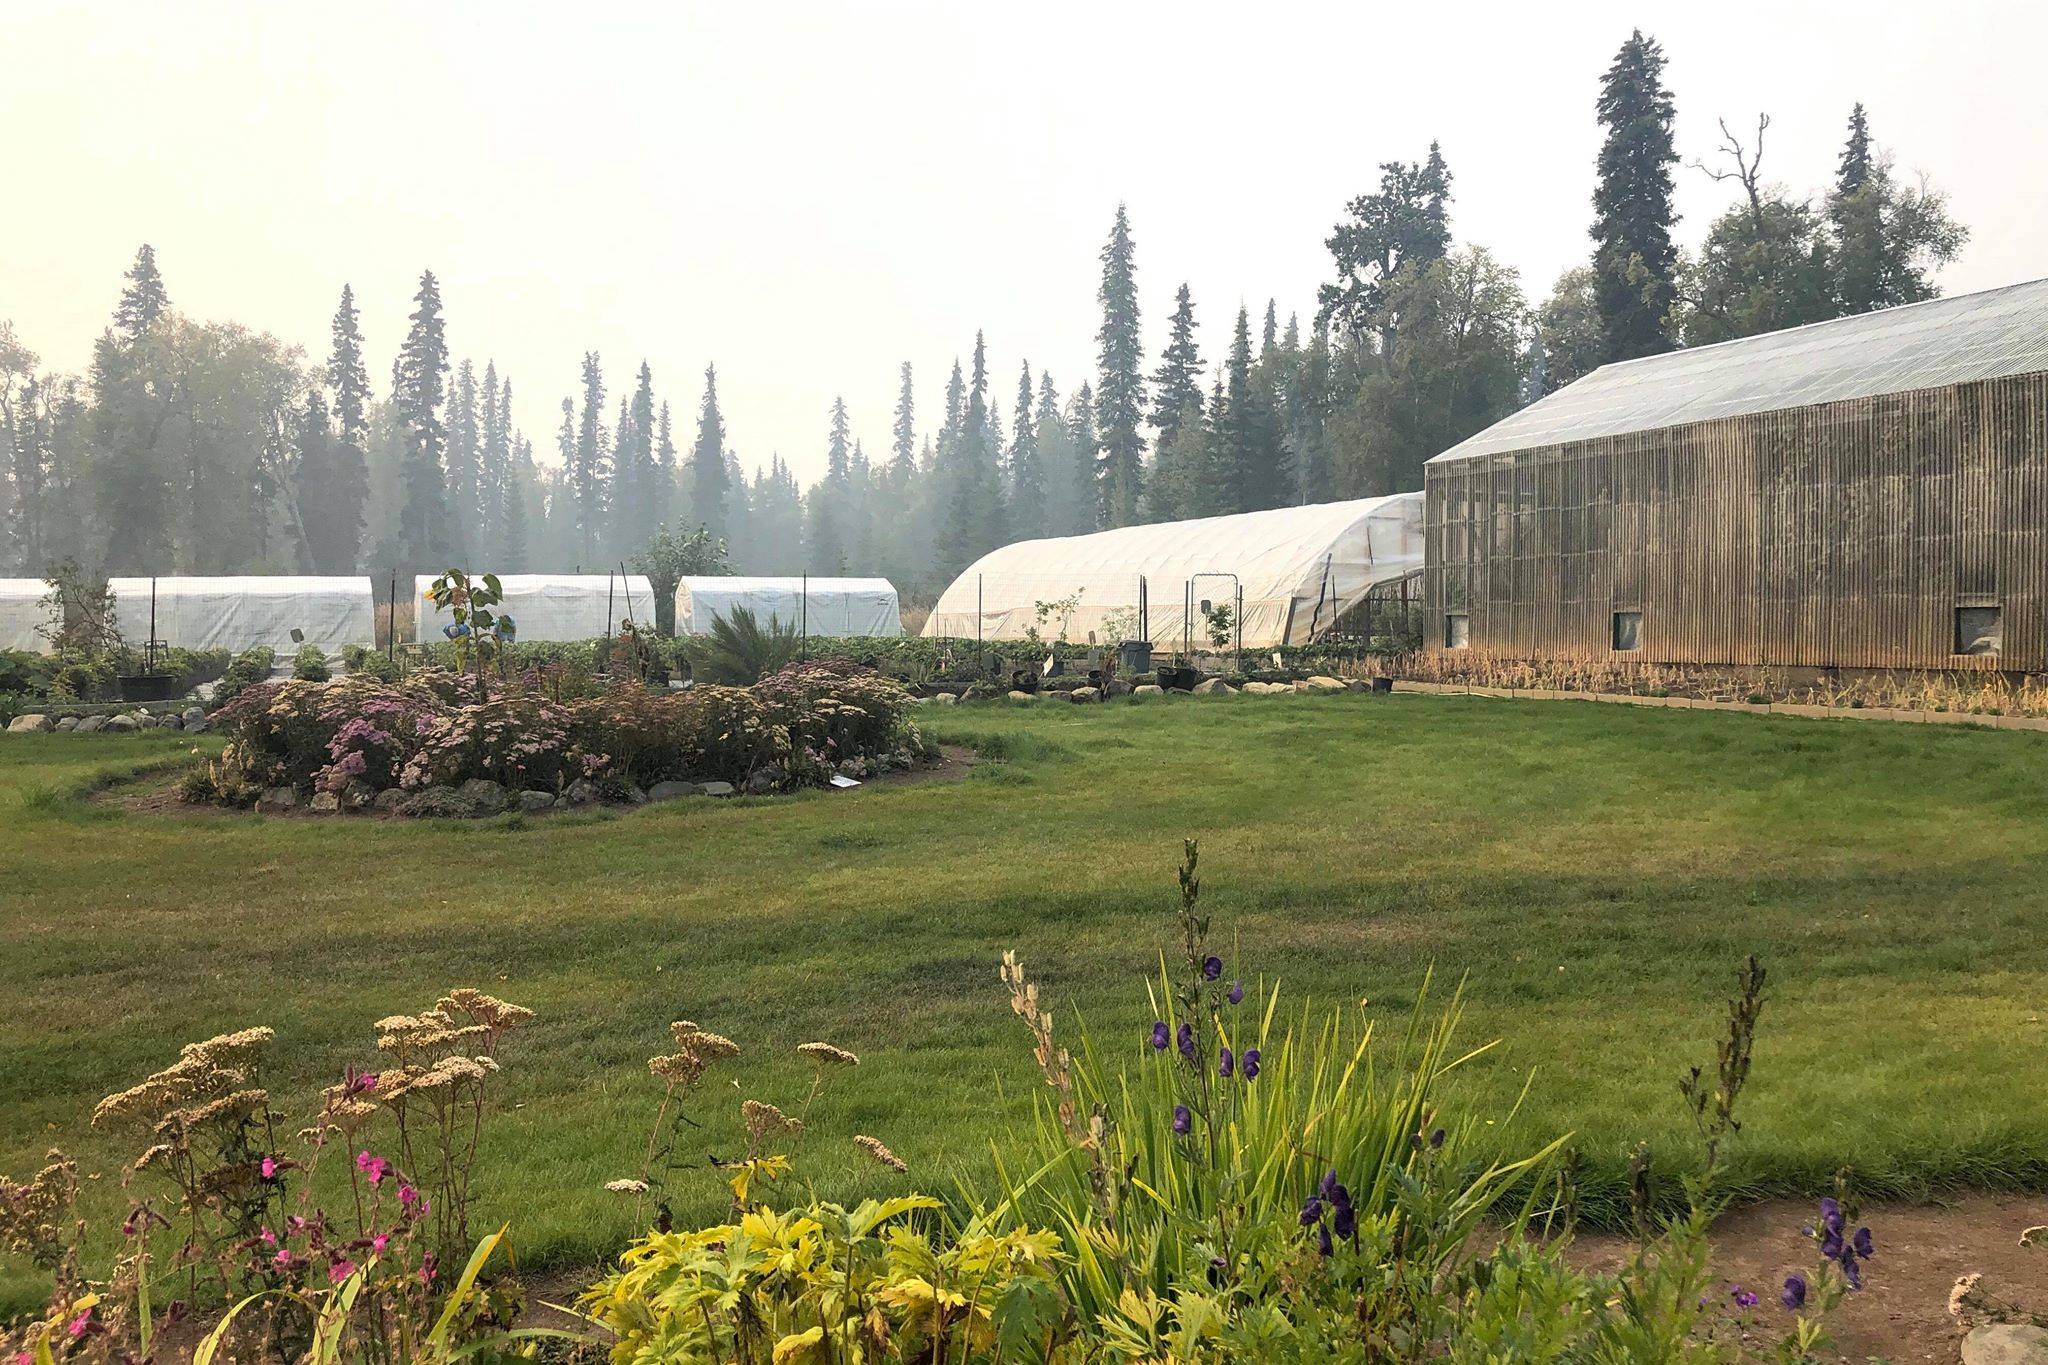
(1870, 492)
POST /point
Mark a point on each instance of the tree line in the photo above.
(199, 447)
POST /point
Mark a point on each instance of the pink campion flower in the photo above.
(408, 1196)
(283, 1257)
(295, 1223)
(427, 1268)
(81, 1324)
(341, 1269)
(267, 1237)
(372, 1167)
(379, 1242)
(270, 1168)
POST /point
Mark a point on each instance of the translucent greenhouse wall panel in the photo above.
(820, 606)
(242, 612)
(567, 606)
(21, 614)
(1299, 568)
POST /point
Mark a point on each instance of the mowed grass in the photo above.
(1592, 873)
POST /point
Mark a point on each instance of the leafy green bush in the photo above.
(740, 649)
(251, 666)
(310, 664)
(24, 672)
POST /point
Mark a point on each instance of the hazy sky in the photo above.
(809, 194)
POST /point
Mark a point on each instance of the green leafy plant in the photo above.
(740, 650)
(310, 664)
(478, 630)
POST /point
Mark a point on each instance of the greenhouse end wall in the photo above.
(1904, 531)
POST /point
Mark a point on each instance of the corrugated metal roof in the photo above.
(1917, 346)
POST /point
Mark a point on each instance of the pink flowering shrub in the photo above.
(360, 734)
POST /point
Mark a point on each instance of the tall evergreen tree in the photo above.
(1250, 471)
(349, 380)
(1120, 401)
(417, 393)
(518, 551)
(1178, 380)
(667, 476)
(144, 300)
(827, 542)
(465, 462)
(1887, 240)
(494, 469)
(330, 547)
(1635, 263)
(709, 484)
(1086, 444)
(589, 464)
(1405, 224)
(1026, 519)
(1270, 337)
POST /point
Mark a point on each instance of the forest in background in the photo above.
(207, 447)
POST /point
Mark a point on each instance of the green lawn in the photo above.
(1595, 872)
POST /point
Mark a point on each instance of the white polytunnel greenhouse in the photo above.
(243, 611)
(1298, 568)
(553, 606)
(21, 613)
(815, 606)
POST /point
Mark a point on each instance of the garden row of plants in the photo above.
(1243, 1181)
(547, 730)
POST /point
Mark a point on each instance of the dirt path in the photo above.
(1902, 1313)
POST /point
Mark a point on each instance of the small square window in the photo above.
(1457, 630)
(1628, 630)
(1977, 630)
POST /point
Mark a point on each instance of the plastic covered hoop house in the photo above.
(1300, 568)
(552, 606)
(244, 611)
(819, 606)
(21, 612)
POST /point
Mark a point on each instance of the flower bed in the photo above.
(359, 742)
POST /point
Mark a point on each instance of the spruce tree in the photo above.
(709, 484)
(589, 464)
(313, 475)
(1120, 402)
(349, 490)
(1270, 338)
(1635, 263)
(494, 468)
(1403, 225)
(1178, 380)
(1086, 448)
(144, 299)
(667, 477)
(1856, 223)
(518, 552)
(417, 393)
(1026, 520)
(465, 463)
(827, 541)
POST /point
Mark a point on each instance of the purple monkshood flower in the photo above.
(1311, 1210)
(1212, 967)
(1187, 1041)
(1864, 1247)
(1794, 1297)
(1329, 1186)
(1224, 1063)
(1159, 1036)
(1831, 1215)
(1323, 1243)
(1236, 996)
(1831, 1243)
(1436, 1140)
(1182, 1120)
(1850, 1272)
(1250, 1064)
(1743, 1298)
(1346, 1220)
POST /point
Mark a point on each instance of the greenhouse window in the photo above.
(1628, 630)
(1457, 630)
(1978, 629)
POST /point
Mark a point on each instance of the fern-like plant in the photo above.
(740, 650)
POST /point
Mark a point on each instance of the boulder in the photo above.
(1112, 688)
(671, 791)
(719, 789)
(1320, 683)
(66, 725)
(120, 725)
(1145, 690)
(768, 779)
(276, 800)
(325, 803)
(91, 725)
(582, 792)
(2006, 1343)
(945, 698)
(198, 727)
(1214, 687)
(358, 796)
(482, 796)
(1086, 694)
(532, 801)
(33, 723)
(1017, 694)
(1357, 685)
(192, 716)
(173, 722)
(438, 800)
(390, 799)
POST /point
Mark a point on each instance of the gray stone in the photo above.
(391, 798)
(145, 721)
(33, 723)
(439, 800)
(635, 796)
(1017, 694)
(762, 783)
(673, 791)
(1087, 694)
(325, 803)
(198, 727)
(531, 801)
(120, 725)
(276, 799)
(1112, 688)
(719, 789)
(581, 792)
(945, 698)
(1144, 690)
(193, 716)
(1214, 687)
(482, 795)
(66, 725)
(1357, 685)
(173, 722)
(358, 796)
(2006, 1343)
(91, 725)
(1319, 683)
